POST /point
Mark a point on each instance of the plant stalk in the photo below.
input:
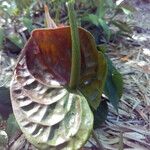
(76, 56)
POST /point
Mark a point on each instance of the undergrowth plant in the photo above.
(106, 17)
(57, 85)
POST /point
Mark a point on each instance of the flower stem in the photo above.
(76, 56)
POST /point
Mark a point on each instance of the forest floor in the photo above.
(130, 128)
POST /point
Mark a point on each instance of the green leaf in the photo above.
(28, 24)
(1, 37)
(16, 39)
(123, 26)
(101, 9)
(92, 18)
(102, 48)
(12, 125)
(93, 90)
(118, 82)
(114, 85)
(100, 114)
(105, 27)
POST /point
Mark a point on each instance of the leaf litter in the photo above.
(130, 128)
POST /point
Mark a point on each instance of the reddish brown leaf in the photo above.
(48, 54)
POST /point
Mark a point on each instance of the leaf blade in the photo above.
(113, 89)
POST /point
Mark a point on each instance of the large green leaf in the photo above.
(23, 4)
(92, 18)
(101, 8)
(100, 114)
(114, 84)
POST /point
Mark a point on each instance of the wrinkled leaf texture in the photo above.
(50, 116)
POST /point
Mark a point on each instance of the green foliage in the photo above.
(10, 130)
(28, 23)
(94, 19)
(100, 115)
(23, 4)
(105, 15)
(16, 39)
(114, 84)
(1, 37)
(114, 81)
